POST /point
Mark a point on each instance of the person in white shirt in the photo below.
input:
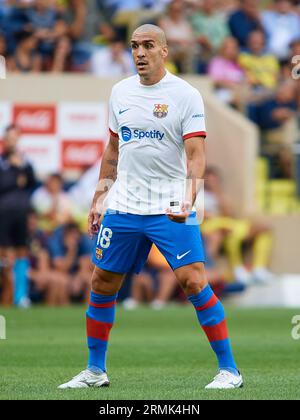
(157, 142)
(282, 27)
(112, 61)
(52, 204)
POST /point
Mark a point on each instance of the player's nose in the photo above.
(140, 52)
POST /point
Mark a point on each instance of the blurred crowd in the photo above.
(248, 48)
(45, 254)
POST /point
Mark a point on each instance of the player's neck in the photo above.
(154, 78)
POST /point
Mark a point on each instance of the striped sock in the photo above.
(99, 321)
(211, 316)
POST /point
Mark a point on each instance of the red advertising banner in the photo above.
(77, 154)
(58, 137)
(35, 119)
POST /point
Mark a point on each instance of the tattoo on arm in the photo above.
(112, 162)
(110, 169)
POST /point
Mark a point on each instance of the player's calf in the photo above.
(211, 317)
(100, 318)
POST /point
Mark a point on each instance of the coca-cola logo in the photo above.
(35, 119)
(77, 154)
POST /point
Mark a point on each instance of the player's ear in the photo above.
(165, 52)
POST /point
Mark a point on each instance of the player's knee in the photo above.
(105, 283)
(193, 279)
(194, 285)
(97, 282)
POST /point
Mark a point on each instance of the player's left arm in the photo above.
(196, 162)
(195, 152)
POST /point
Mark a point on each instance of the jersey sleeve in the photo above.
(193, 116)
(113, 123)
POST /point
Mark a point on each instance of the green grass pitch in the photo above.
(153, 355)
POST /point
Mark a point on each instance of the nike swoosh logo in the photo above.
(124, 110)
(179, 257)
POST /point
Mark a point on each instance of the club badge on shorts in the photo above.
(160, 110)
(99, 253)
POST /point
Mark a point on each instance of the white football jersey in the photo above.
(152, 123)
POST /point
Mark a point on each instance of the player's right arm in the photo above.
(107, 177)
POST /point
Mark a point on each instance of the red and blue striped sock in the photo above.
(211, 316)
(100, 317)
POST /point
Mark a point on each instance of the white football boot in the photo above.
(87, 379)
(226, 380)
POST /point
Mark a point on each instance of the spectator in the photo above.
(80, 17)
(282, 26)
(245, 20)
(180, 37)
(45, 283)
(52, 203)
(227, 74)
(262, 69)
(276, 111)
(103, 21)
(276, 119)
(25, 58)
(70, 252)
(112, 61)
(129, 14)
(210, 27)
(49, 27)
(222, 228)
(16, 183)
(75, 14)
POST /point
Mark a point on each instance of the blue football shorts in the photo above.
(124, 241)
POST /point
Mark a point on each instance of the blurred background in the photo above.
(62, 59)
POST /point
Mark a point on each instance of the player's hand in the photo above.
(94, 222)
(183, 215)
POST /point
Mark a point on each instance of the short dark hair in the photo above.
(69, 227)
(23, 35)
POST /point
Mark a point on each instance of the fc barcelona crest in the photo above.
(160, 110)
(99, 254)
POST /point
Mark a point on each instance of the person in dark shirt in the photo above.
(25, 58)
(245, 20)
(276, 111)
(70, 251)
(271, 117)
(17, 180)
